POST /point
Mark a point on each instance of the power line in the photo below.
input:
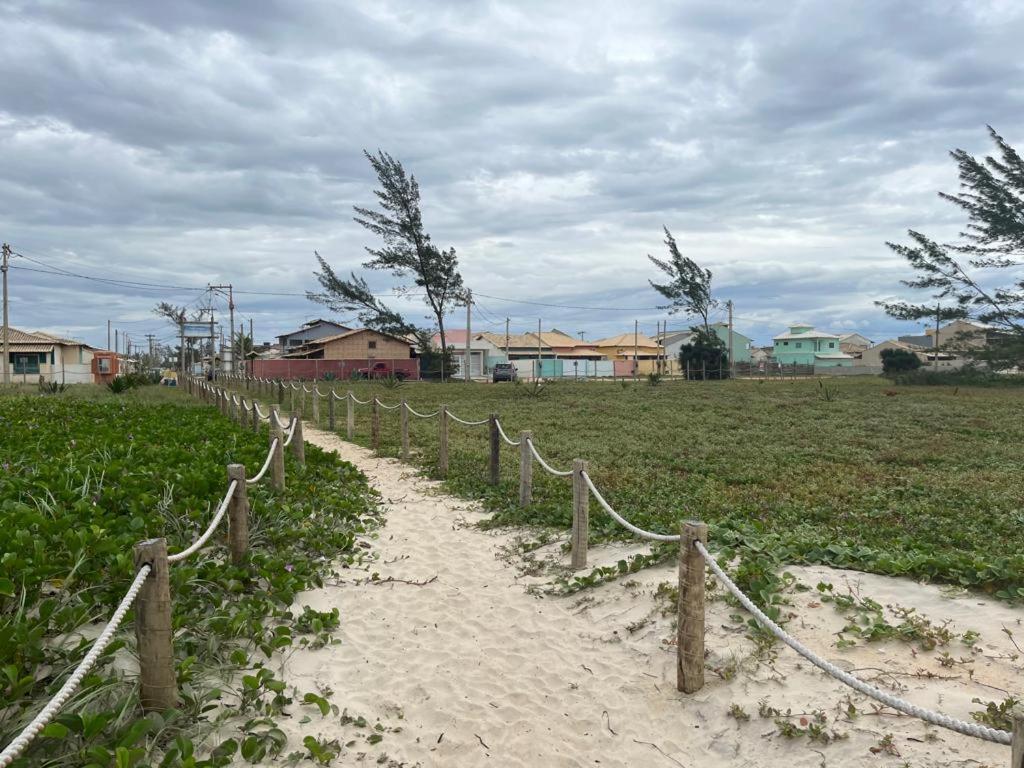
(570, 306)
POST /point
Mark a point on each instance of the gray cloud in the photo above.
(190, 142)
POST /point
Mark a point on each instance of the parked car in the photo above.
(380, 371)
(504, 372)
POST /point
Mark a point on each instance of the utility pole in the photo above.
(506, 340)
(469, 312)
(231, 320)
(108, 334)
(117, 345)
(732, 366)
(150, 337)
(935, 344)
(7, 342)
(539, 367)
(181, 348)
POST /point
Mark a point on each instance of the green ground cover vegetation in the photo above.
(916, 481)
(86, 474)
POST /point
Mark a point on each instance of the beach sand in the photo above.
(451, 653)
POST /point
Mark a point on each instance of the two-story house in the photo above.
(803, 345)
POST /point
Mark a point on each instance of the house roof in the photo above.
(627, 340)
(833, 356)
(845, 335)
(44, 341)
(515, 340)
(23, 347)
(918, 341)
(725, 326)
(812, 334)
(352, 332)
(313, 324)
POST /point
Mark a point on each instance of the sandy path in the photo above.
(471, 669)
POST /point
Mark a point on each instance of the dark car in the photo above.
(380, 371)
(504, 372)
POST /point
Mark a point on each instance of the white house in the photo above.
(55, 359)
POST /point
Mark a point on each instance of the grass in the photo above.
(917, 481)
(86, 474)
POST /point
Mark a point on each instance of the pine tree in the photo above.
(406, 252)
(689, 286)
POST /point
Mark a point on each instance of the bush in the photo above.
(51, 387)
(899, 360)
(967, 376)
(653, 378)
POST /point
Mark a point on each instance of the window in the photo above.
(373, 344)
(785, 343)
(799, 344)
(26, 363)
(103, 365)
(831, 345)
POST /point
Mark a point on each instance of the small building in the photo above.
(803, 345)
(960, 335)
(519, 346)
(674, 341)
(310, 331)
(854, 343)
(482, 353)
(343, 355)
(67, 361)
(872, 357)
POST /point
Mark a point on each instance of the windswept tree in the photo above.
(406, 251)
(689, 286)
(964, 276)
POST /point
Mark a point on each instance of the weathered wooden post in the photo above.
(690, 637)
(442, 449)
(403, 417)
(580, 514)
(375, 425)
(316, 407)
(280, 391)
(350, 416)
(331, 420)
(157, 681)
(525, 469)
(277, 463)
(298, 444)
(495, 462)
(255, 415)
(302, 397)
(1017, 745)
(238, 515)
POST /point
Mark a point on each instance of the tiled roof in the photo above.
(805, 335)
(627, 340)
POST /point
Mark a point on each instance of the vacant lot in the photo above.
(918, 481)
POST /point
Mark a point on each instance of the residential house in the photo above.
(310, 331)
(802, 345)
(854, 343)
(38, 354)
(344, 355)
(872, 358)
(519, 346)
(925, 342)
(742, 346)
(961, 336)
(482, 352)
(760, 355)
(632, 353)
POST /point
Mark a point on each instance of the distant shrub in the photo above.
(119, 385)
(654, 378)
(899, 360)
(969, 376)
(51, 387)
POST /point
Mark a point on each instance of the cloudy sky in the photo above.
(195, 142)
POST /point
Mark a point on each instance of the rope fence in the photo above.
(693, 557)
(149, 591)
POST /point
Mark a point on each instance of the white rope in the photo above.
(307, 391)
(622, 521)
(260, 413)
(291, 432)
(316, 390)
(336, 396)
(21, 742)
(357, 401)
(276, 417)
(266, 465)
(935, 718)
(505, 437)
(387, 407)
(197, 545)
(421, 415)
(453, 417)
(295, 387)
(543, 463)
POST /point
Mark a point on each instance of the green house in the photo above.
(803, 345)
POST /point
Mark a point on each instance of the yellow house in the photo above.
(627, 347)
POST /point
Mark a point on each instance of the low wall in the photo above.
(854, 370)
(338, 369)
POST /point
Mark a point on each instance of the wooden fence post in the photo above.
(331, 420)
(158, 689)
(316, 408)
(277, 463)
(403, 414)
(350, 416)
(580, 514)
(1017, 745)
(442, 449)
(375, 426)
(255, 415)
(690, 637)
(302, 397)
(525, 470)
(495, 463)
(298, 444)
(280, 391)
(238, 515)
